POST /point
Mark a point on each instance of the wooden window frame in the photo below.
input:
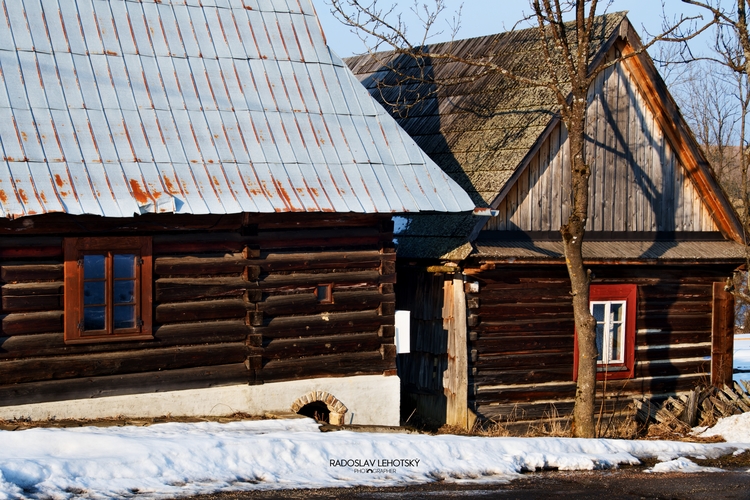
(74, 250)
(627, 293)
(328, 298)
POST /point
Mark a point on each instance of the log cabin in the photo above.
(195, 214)
(492, 332)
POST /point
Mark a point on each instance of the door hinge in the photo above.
(139, 261)
(80, 326)
(80, 262)
(139, 322)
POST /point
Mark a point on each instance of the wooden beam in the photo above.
(722, 333)
(456, 377)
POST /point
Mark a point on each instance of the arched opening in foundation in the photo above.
(317, 410)
(321, 406)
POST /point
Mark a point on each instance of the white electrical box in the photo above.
(403, 332)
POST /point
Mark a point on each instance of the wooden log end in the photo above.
(387, 309)
(473, 320)
(254, 318)
(388, 351)
(253, 295)
(254, 340)
(388, 267)
(387, 331)
(251, 273)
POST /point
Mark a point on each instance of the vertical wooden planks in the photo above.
(636, 184)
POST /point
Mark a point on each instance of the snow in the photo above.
(180, 459)
(681, 464)
(734, 429)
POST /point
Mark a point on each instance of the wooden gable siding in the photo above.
(637, 182)
(521, 339)
(233, 302)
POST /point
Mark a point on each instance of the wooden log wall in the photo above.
(521, 337)
(234, 302)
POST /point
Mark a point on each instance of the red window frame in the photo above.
(75, 249)
(621, 292)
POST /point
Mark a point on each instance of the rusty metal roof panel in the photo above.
(302, 35)
(91, 36)
(16, 12)
(102, 81)
(146, 36)
(119, 107)
(36, 19)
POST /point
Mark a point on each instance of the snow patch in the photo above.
(182, 459)
(734, 429)
(681, 464)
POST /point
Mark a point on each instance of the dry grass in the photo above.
(552, 425)
(665, 433)
(14, 425)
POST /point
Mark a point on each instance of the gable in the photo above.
(638, 183)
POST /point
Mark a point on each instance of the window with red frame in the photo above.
(614, 308)
(107, 289)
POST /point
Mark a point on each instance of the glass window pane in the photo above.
(616, 311)
(93, 267)
(599, 341)
(125, 266)
(124, 292)
(124, 317)
(93, 318)
(618, 336)
(93, 293)
(597, 310)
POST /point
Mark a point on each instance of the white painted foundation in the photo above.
(370, 399)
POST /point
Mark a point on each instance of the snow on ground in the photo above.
(734, 429)
(681, 464)
(177, 459)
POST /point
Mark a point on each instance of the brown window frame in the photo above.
(327, 298)
(75, 249)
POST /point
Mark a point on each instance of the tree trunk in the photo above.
(572, 235)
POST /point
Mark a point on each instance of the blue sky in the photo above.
(484, 17)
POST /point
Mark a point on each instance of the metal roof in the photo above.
(120, 107)
(689, 251)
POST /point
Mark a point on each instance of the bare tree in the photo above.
(710, 101)
(731, 51)
(567, 51)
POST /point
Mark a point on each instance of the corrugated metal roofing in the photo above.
(614, 250)
(120, 107)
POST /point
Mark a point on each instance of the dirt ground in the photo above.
(624, 484)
